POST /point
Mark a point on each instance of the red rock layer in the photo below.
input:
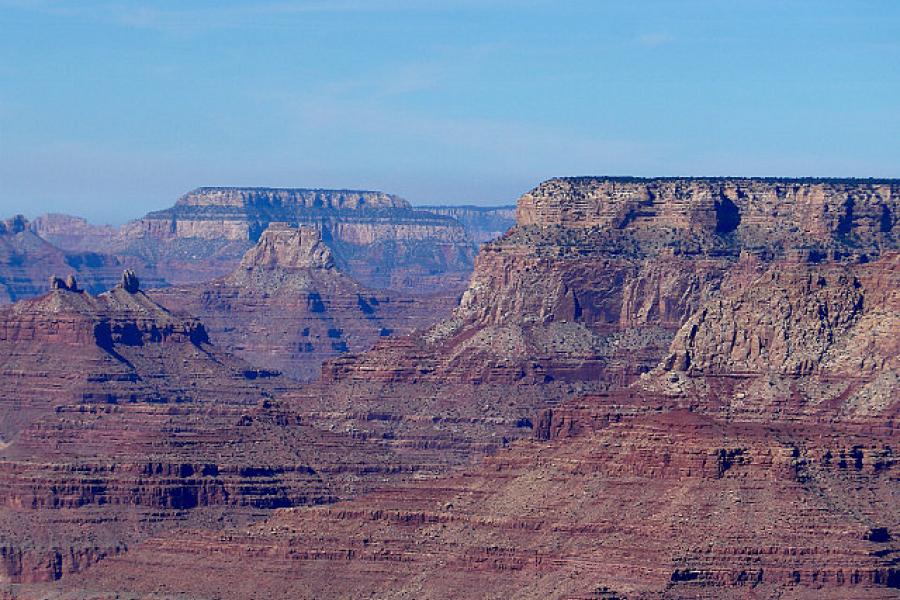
(120, 419)
(599, 273)
(287, 306)
(27, 261)
(755, 460)
(624, 496)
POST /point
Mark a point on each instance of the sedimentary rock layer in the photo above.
(27, 261)
(378, 237)
(752, 455)
(288, 307)
(119, 418)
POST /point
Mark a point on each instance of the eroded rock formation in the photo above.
(28, 260)
(376, 237)
(681, 396)
(287, 306)
(737, 485)
(119, 418)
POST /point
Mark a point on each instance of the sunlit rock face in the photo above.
(287, 306)
(637, 397)
(27, 260)
(377, 238)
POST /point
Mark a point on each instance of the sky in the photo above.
(112, 108)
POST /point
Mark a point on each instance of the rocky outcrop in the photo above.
(119, 418)
(376, 237)
(561, 310)
(599, 272)
(288, 307)
(762, 213)
(28, 260)
(757, 486)
(800, 340)
(700, 409)
(284, 247)
(623, 495)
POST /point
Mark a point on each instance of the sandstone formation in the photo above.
(28, 260)
(561, 309)
(376, 237)
(648, 499)
(773, 475)
(686, 388)
(119, 419)
(288, 307)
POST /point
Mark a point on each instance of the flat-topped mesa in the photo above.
(358, 217)
(278, 198)
(376, 237)
(756, 210)
(289, 248)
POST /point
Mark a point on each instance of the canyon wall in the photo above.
(288, 307)
(482, 223)
(773, 475)
(120, 419)
(378, 238)
(679, 396)
(27, 261)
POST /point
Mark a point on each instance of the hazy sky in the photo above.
(111, 108)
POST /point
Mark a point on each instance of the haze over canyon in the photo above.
(640, 388)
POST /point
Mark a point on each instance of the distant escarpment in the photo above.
(483, 223)
(27, 260)
(376, 237)
(287, 306)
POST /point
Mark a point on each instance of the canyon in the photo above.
(27, 261)
(377, 238)
(288, 307)
(649, 388)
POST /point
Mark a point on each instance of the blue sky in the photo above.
(111, 108)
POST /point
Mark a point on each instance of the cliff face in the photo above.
(756, 460)
(119, 419)
(28, 260)
(800, 339)
(288, 307)
(376, 237)
(627, 497)
(599, 271)
(765, 213)
(704, 406)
